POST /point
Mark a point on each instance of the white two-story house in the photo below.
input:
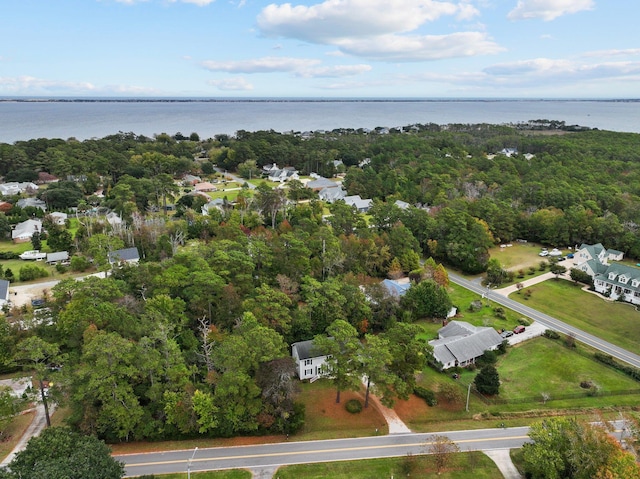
(615, 280)
(311, 363)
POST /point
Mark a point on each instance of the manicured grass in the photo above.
(231, 474)
(617, 323)
(541, 365)
(464, 465)
(486, 316)
(520, 255)
(324, 419)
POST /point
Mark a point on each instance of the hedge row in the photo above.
(610, 361)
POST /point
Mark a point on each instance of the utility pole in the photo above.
(468, 394)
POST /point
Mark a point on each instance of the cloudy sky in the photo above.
(321, 48)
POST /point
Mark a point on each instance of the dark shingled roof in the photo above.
(127, 254)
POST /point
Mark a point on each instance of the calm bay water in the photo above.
(24, 120)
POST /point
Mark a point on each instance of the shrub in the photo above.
(354, 406)
(551, 334)
(500, 313)
(580, 276)
(61, 268)
(524, 322)
(488, 357)
(79, 263)
(31, 272)
(427, 394)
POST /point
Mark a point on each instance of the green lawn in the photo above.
(541, 365)
(617, 323)
(520, 255)
(474, 465)
(486, 316)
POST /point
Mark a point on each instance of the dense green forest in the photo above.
(194, 340)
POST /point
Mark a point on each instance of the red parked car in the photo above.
(518, 329)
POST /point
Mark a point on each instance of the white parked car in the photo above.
(543, 253)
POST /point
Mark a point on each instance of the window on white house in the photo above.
(308, 362)
(308, 372)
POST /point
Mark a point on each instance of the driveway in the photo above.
(534, 330)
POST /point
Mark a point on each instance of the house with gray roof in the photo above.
(321, 183)
(358, 203)
(310, 363)
(331, 195)
(23, 232)
(126, 255)
(34, 202)
(59, 218)
(57, 257)
(285, 174)
(460, 343)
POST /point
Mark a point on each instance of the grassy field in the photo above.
(488, 315)
(541, 365)
(468, 465)
(617, 323)
(520, 255)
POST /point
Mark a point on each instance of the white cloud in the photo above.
(32, 84)
(378, 29)
(300, 67)
(420, 48)
(334, 71)
(28, 85)
(541, 71)
(333, 20)
(261, 65)
(532, 75)
(232, 84)
(613, 53)
(548, 9)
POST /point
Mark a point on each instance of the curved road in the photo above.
(551, 322)
(305, 452)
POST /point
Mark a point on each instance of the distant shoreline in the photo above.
(307, 100)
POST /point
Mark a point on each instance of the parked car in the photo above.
(562, 259)
(518, 329)
(570, 256)
(506, 334)
(543, 253)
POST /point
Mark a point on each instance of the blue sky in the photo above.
(320, 48)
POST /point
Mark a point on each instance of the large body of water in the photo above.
(24, 120)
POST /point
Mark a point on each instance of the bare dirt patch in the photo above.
(414, 409)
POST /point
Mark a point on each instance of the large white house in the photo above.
(310, 362)
(614, 280)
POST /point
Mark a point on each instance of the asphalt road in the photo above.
(286, 453)
(551, 322)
